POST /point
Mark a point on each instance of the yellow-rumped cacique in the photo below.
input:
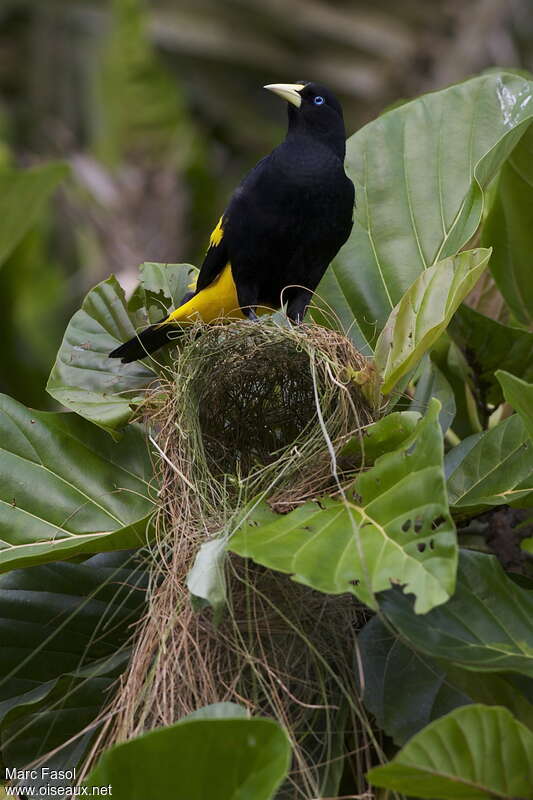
(283, 226)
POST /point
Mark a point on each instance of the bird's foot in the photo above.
(250, 315)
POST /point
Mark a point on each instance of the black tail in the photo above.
(148, 341)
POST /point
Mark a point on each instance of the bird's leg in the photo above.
(298, 306)
(247, 294)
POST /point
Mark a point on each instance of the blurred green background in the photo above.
(158, 110)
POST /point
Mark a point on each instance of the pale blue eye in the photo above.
(318, 100)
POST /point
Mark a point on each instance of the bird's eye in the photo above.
(318, 100)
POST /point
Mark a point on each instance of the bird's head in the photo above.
(313, 109)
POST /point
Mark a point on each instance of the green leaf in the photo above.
(224, 710)
(494, 469)
(393, 527)
(420, 173)
(495, 689)
(167, 282)
(23, 194)
(403, 689)
(197, 759)
(206, 580)
(84, 378)
(454, 457)
(66, 488)
(423, 313)
(509, 229)
(485, 626)
(453, 365)
(387, 434)
(488, 345)
(474, 753)
(519, 394)
(64, 630)
(432, 383)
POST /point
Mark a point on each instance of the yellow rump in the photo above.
(219, 299)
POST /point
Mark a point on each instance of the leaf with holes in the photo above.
(421, 173)
(67, 488)
(424, 312)
(393, 527)
(474, 753)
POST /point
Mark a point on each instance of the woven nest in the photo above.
(263, 400)
(247, 410)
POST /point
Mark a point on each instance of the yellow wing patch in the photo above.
(216, 236)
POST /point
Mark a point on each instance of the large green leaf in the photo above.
(393, 527)
(520, 395)
(198, 759)
(420, 173)
(495, 689)
(474, 753)
(66, 488)
(485, 626)
(488, 345)
(84, 378)
(454, 457)
(22, 196)
(405, 690)
(64, 630)
(497, 469)
(509, 229)
(423, 313)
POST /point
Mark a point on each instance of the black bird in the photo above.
(283, 226)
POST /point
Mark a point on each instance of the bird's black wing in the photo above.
(218, 252)
(216, 257)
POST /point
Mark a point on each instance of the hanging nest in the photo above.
(248, 410)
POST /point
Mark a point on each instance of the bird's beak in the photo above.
(287, 91)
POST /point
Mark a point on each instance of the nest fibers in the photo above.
(248, 411)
